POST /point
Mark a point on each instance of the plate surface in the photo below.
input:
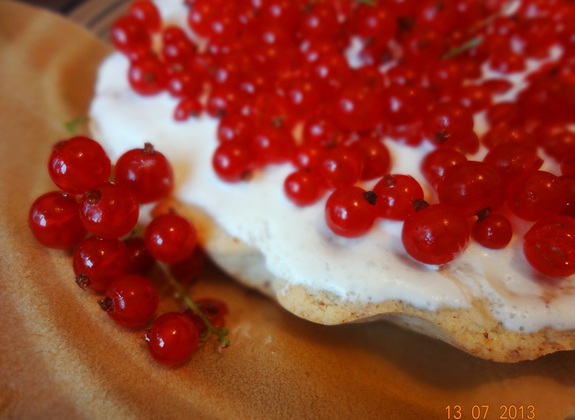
(61, 357)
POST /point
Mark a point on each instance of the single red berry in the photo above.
(147, 75)
(146, 12)
(549, 246)
(374, 156)
(233, 161)
(141, 261)
(131, 300)
(396, 195)
(536, 195)
(436, 162)
(109, 210)
(350, 211)
(146, 172)
(170, 238)
(97, 262)
(55, 222)
(186, 108)
(512, 160)
(436, 234)
(303, 187)
(339, 166)
(177, 47)
(130, 36)
(359, 107)
(493, 231)
(172, 339)
(78, 164)
(471, 186)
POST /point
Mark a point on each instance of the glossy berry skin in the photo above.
(549, 246)
(436, 234)
(172, 339)
(109, 210)
(396, 195)
(130, 36)
(374, 155)
(131, 300)
(303, 187)
(147, 13)
(348, 211)
(471, 186)
(147, 75)
(78, 164)
(436, 162)
(170, 238)
(493, 232)
(536, 195)
(97, 262)
(340, 166)
(55, 222)
(233, 161)
(146, 172)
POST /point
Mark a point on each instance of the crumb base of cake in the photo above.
(474, 330)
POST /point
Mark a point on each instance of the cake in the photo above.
(488, 302)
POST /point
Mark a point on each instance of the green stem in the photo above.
(72, 125)
(221, 333)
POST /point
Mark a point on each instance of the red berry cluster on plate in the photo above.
(324, 85)
(97, 218)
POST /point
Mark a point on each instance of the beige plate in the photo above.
(60, 357)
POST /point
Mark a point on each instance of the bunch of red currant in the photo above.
(96, 217)
(278, 75)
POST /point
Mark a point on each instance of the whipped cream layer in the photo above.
(295, 241)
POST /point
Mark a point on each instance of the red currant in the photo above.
(78, 164)
(109, 210)
(172, 339)
(549, 246)
(374, 155)
(471, 186)
(141, 261)
(146, 172)
(131, 300)
(303, 187)
(97, 262)
(339, 166)
(536, 195)
(435, 164)
(350, 211)
(396, 195)
(146, 12)
(55, 222)
(436, 234)
(147, 75)
(233, 161)
(170, 238)
(493, 231)
(130, 36)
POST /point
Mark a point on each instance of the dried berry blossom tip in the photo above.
(107, 304)
(483, 214)
(93, 196)
(420, 204)
(149, 149)
(370, 197)
(83, 281)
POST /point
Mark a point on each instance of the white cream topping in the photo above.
(297, 245)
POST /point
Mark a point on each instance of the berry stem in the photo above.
(73, 124)
(221, 333)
